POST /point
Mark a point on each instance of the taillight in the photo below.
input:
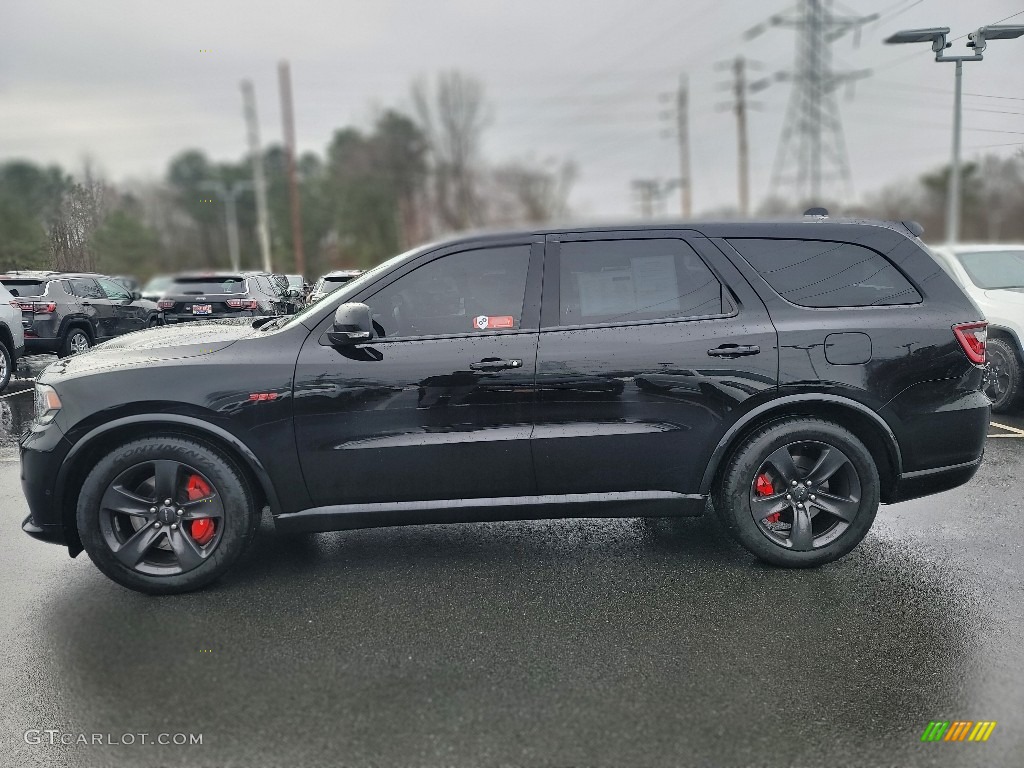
(972, 338)
(165, 304)
(242, 303)
(35, 307)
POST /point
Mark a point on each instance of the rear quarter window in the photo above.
(818, 273)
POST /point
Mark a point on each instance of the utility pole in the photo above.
(741, 87)
(228, 195)
(979, 42)
(259, 181)
(812, 147)
(652, 194)
(288, 117)
(683, 133)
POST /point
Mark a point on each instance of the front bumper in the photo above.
(53, 534)
(43, 451)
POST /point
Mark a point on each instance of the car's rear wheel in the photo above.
(6, 366)
(799, 492)
(165, 515)
(77, 341)
(1004, 375)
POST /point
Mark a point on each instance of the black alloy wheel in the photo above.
(799, 492)
(1003, 377)
(163, 515)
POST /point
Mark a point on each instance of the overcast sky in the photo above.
(127, 83)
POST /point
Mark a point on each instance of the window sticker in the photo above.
(493, 322)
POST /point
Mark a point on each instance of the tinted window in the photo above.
(24, 287)
(157, 284)
(202, 285)
(815, 273)
(466, 292)
(114, 291)
(86, 288)
(627, 280)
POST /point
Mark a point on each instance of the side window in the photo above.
(607, 281)
(114, 291)
(472, 291)
(87, 288)
(816, 273)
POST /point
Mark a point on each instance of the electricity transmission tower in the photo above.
(812, 148)
(681, 115)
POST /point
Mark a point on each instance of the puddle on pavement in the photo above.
(15, 415)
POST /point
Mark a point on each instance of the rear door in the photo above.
(94, 305)
(649, 343)
(127, 316)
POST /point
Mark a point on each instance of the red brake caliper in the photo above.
(202, 529)
(763, 486)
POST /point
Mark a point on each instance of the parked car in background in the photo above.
(68, 313)
(128, 282)
(219, 295)
(154, 288)
(332, 281)
(796, 374)
(12, 336)
(300, 289)
(993, 275)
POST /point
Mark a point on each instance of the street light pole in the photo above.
(978, 41)
(953, 198)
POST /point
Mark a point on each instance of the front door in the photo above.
(648, 343)
(438, 406)
(127, 316)
(96, 306)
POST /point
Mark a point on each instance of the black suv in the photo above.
(795, 374)
(68, 313)
(217, 295)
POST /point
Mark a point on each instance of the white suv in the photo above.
(12, 337)
(993, 275)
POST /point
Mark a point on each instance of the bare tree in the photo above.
(453, 116)
(527, 192)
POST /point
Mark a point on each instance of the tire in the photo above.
(74, 340)
(1004, 376)
(6, 366)
(161, 553)
(153, 322)
(757, 473)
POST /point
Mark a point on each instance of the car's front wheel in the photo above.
(164, 515)
(799, 492)
(1004, 375)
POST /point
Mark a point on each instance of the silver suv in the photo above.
(12, 337)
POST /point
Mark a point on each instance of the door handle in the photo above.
(493, 364)
(734, 350)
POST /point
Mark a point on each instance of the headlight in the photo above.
(48, 404)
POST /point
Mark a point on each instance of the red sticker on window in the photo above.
(490, 322)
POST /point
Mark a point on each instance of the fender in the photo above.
(243, 450)
(70, 320)
(1011, 333)
(727, 439)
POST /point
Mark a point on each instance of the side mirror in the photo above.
(294, 293)
(136, 295)
(352, 325)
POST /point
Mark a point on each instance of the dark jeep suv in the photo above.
(796, 374)
(218, 295)
(68, 313)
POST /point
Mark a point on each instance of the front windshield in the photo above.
(352, 286)
(993, 270)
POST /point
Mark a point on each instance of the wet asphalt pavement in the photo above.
(563, 643)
